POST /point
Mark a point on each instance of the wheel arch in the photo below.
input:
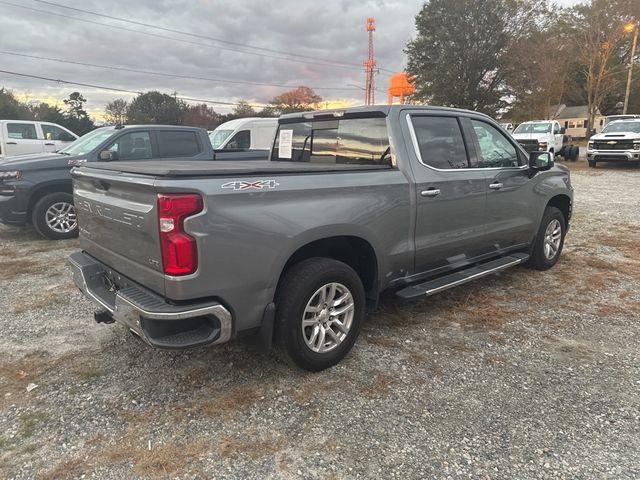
(353, 250)
(46, 189)
(563, 203)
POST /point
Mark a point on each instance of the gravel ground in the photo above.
(523, 375)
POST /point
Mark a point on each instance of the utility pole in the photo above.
(630, 27)
(369, 66)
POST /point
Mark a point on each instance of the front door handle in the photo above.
(50, 144)
(11, 143)
(432, 192)
(496, 186)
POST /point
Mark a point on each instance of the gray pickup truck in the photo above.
(351, 203)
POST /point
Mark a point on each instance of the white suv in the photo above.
(21, 137)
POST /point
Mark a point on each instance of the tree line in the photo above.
(520, 58)
(150, 108)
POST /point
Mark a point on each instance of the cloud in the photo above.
(332, 30)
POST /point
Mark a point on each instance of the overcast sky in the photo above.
(331, 30)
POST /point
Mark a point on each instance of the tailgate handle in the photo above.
(101, 185)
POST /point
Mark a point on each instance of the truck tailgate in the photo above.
(118, 222)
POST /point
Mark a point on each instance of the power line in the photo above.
(190, 42)
(150, 72)
(190, 34)
(123, 90)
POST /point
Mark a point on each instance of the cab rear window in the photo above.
(363, 141)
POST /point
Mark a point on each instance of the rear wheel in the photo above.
(320, 305)
(54, 216)
(549, 240)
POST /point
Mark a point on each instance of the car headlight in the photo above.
(542, 146)
(590, 145)
(10, 175)
(636, 145)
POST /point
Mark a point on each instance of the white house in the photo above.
(574, 120)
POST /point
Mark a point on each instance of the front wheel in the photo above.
(549, 240)
(54, 216)
(320, 305)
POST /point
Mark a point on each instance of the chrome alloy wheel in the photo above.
(327, 318)
(61, 217)
(552, 239)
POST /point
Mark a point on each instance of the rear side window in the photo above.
(175, 143)
(349, 141)
(440, 142)
(22, 131)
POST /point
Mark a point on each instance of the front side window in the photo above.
(440, 142)
(176, 143)
(241, 140)
(360, 141)
(88, 142)
(22, 131)
(218, 137)
(132, 146)
(51, 132)
(495, 150)
(556, 128)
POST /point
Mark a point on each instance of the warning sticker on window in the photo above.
(284, 143)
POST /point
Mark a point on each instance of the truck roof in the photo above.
(374, 110)
(539, 121)
(240, 122)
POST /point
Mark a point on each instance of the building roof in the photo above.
(579, 111)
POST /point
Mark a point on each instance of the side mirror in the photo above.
(108, 156)
(65, 137)
(562, 130)
(539, 162)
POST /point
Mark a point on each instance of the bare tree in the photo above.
(115, 112)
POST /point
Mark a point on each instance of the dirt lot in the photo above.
(523, 375)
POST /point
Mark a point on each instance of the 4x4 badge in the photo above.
(258, 185)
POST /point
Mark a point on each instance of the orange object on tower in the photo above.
(369, 65)
(400, 85)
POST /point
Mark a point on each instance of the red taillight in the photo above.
(179, 250)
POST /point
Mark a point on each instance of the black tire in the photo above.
(300, 287)
(575, 152)
(562, 152)
(41, 212)
(592, 163)
(539, 259)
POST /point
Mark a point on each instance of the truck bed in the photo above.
(186, 168)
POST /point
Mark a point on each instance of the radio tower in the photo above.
(369, 65)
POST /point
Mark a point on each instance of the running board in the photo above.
(453, 279)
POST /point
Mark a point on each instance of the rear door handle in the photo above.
(432, 192)
(496, 186)
(11, 143)
(50, 144)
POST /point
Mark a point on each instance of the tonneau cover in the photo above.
(186, 168)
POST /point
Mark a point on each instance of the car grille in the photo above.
(613, 145)
(529, 145)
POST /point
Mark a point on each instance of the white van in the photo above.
(21, 137)
(245, 133)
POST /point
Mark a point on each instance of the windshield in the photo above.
(218, 137)
(88, 142)
(534, 128)
(622, 127)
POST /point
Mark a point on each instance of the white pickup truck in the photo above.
(544, 136)
(23, 137)
(619, 141)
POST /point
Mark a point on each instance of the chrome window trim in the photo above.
(416, 148)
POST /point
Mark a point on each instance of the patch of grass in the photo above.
(309, 389)
(86, 373)
(70, 468)
(30, 421)
(380, 387)
(56, 296)
(15, 267)
(167, 459)
(230, 403)
(252, 446)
